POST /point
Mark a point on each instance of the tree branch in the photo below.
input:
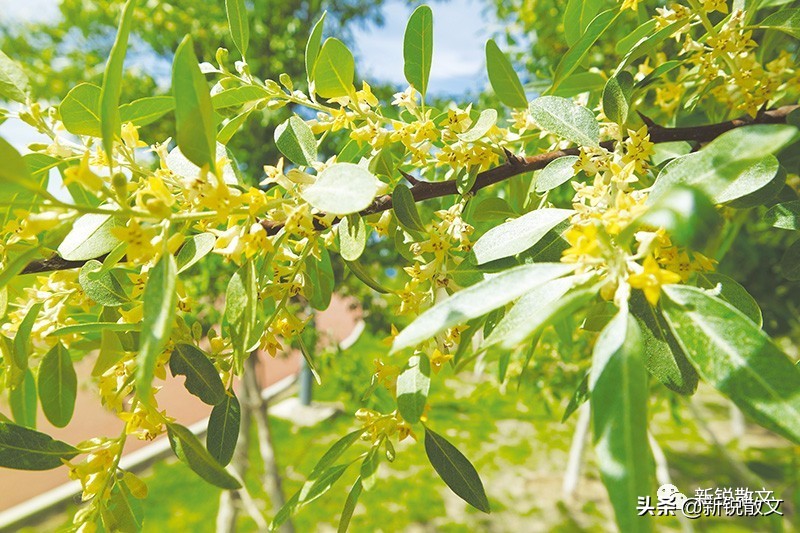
(514, 166)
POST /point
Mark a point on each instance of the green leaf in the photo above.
(22, 339)
(194, 116)
(628, 41)
(413, 385)
(58, 386)
(648, 42)
(223, 429)
(13, 80)
(732, 354)
(159, 301)
(352, 235)
(22, 400)
(617, 97)
(486, 121)
(349, 506)
(455, 470)
(478, 300)
(369, 467)
(786, 20)
(618, 385)
(320, 273)
(146, 110)
(790, 262)
(14, 173)
(202, 377)
(734, 165)
(545, 304)
(664, 358)
(557, 172)
(237, 22)
(577, 52)
(231, 127)
(241, 306)
(193, 250)
(312, 47)
(418, 48)
(577, 399)
(361, 273)
(180, 165)
(334, 452)
(784, 216)
(685, 212)
(503, 78)
(493, 208)
(100, 285)
(191, 451)
(729, 290)
(405, 209)
(296, 141)
(93, 327)
(122, 511)
(577, 16)
(319, 486)
(342, 189)
(334, 70)
(383, 163)
(238, 96)
(25, 449)
(15, 198)
(580, 82)
(517, 235)
(89, 238)
(80, 110)
(112, 81)
(566, 119)
(17, 264)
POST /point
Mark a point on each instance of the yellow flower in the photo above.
(629, 4)
(83, 176)
(143, 422)
(438, 359)
(140, 248)
(651, 278)
(130, 136)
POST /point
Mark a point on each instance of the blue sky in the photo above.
(461, 28)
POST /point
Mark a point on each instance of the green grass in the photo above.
(513, 437)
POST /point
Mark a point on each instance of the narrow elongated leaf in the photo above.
(89, 238)
(369, 467)
(334, 452)
(664, 358)
(13, 80)
(22, 400)
(556, 172)
(80, 110)
(503, 78)
(241, 300)
(517, 235)
(194, 116)
(405, 209)
(350, 506)
(486, 121)
(122, 511)
(734, 165)
(191, 451)
(15, 198)
(312, 47)
(202, 378)
(352, 237)
(146, 110)
(456, 470)
(238, 96)
(577, 16)
(94, 327)
(785, 215)
(418, 48)
(58, 386)
(413, 385)
(732, 354)
(617, 97)
(25, 449)
(223, 429)
(14, 173)
(112, 81)
(193, 250)
(237, 22)
(296, 141)
(159, 303)
(322, 484)
(334, 70)
(578, 51)
(478, 300)
(566, 119)
(785, 20)
(342, 189)
(101, 286)
(361, 273)
(22, 339)
(618, 385)
(320, 272)
(732, 292)
(543, 305)
(17, 264)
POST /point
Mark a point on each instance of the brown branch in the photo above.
(514, 166)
